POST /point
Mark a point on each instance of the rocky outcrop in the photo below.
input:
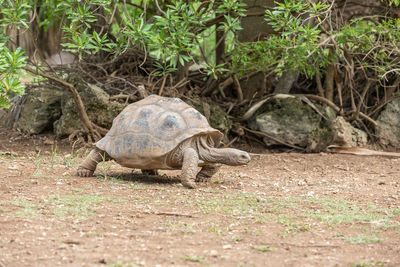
(48, 109)
(344, 134)
(100, 110)
(39, 110)
(288, 119)
(299, 122)
(388, 129)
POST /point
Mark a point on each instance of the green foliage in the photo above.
(77, 18)
(301, 43)
(173, 32)
(177, 32)
(392, 2)
(175, 37)
(296, 47)
(13, 14)
(372, 43)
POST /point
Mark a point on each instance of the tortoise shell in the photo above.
(146, 131)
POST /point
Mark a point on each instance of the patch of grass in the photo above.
(192, 258)
(69, 160)
(115, 200)
(160, 201)
(285, 219)
(41, 175)
(53, 155)
(241, 204)
(263, 248)
(104, 166)
(262, 218)
(139, 187)
(297, 214)
(364, 239)
(140, 199)
(336, 211)
(236, 239)
(212, 190)
(7, 156)
(78, 190)
(27, 209)
(215, 229)
(181, 226)
(293, 228)
(79, 207)
(282, 205)
(367, 264)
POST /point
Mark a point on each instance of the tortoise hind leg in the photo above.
(88, 166)
(207, 172)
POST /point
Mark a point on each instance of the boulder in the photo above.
(289, 119)
(39, 110)
(297, 121)
(97, 104)
(388, 129)
(344, 134)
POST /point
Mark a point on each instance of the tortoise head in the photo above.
(228, 156)
(234, 157)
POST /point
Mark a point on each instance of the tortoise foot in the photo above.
(202, 178)
(82, 172)
(188, 184)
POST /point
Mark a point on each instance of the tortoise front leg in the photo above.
(189, 167)
(207, 172)
(88, 166)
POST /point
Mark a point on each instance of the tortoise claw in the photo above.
(82, 172)
(189, 184)
(202, 178)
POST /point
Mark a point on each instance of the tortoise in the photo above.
(163, 133)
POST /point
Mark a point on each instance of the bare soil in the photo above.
(283, 209)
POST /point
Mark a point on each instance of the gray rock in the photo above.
(297, 121)
(98, 107)
(388, 129)
(344, 134)
(288, 119)
(40, 109)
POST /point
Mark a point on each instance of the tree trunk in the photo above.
(255, 28)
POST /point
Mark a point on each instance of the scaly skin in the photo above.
(88, 166)
(207, 172)
(189, 167)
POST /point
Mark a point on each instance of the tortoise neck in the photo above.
(207, 152)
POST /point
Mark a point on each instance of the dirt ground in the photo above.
(283, 209)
